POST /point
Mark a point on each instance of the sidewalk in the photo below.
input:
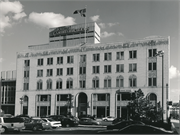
(172, 125)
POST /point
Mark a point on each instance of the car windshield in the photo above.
(50, 119)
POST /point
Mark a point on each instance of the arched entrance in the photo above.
(82, 104)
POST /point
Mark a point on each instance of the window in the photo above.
(49, 72)
(44, 98)
(82, 84)
(59, 60)
(152, 66)
(107, 82)
(152, 82)
(126, 96)
(96, 70)
(132, 81)
(107, 69)
(132, 67)
(59, 71)
(40, 62)
(82, 70)
(120, 68)
(26, 86)
(70, 59)
(69, 83)
(39, 85)
(49, 61)
(132, 54)
(101, 97)
(26, 74)
(26, 63)
(63, 97)
(82, 58)
(69, 71)
(59, 84)
(120, 55)
(95, 82)
(96, 57)
(49, 84)
(40, 73)
(152, 52)
(107, 56)
(119, 81)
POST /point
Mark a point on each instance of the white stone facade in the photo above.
(94, 104)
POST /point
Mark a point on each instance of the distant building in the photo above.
(8, 91)
(99, 76)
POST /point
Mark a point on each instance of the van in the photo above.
(11, 124)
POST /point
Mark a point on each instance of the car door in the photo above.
(28, 124)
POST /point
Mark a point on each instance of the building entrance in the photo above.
(82, 104)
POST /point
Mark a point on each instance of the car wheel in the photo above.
(105, 119)
(35, 128)
(67, 125)
(4, 130)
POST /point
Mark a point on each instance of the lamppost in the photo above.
(21, 102)
(161, 54)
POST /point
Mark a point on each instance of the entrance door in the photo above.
(82, 104)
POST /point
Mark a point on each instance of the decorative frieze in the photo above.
(93, 48)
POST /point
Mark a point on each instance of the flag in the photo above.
(82, 12)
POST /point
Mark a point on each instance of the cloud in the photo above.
(173, 72)
(112, 24)
(95, 18)
(50, 19)
(120, 34)
(10, 12)
(102, 25)
(106, 34)
(1, 59)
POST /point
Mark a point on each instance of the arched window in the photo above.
(49, 84)
(39, 85)
(69, 83)
(95, 82)
(25, 99)
(107, 82)
(120, 81)
(132, 81)
(152, 98)
(59, 84)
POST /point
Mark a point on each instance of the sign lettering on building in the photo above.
(93, 48)
(60, 31)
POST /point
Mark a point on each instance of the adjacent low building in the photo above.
(8, 91)
(93, 78)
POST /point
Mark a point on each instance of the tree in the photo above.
(141, 107)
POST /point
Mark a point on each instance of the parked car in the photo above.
(53, 123)
(12, 124)
(116, 120)
(123, 124)
(87, 116)
(36, 124)
(88, 121)
(138, 129)
(70, 121)
(57, 117)
(108, 118)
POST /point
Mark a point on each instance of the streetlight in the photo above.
(161, 54)
(21, 102)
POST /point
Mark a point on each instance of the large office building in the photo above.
(99, 77)
(8, 91)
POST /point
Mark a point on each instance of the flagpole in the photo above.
(85, 29)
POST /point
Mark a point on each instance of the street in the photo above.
(81, 129)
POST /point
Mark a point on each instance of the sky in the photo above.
(27, 22)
